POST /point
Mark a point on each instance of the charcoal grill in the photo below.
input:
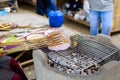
(87, 53)
(88, 48)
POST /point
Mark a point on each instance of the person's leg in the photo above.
(94, 22)
(40, 7)
(106, 18)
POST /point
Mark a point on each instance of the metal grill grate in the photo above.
(87, 53)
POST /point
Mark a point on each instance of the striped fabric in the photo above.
(10, 69)
(5, 73)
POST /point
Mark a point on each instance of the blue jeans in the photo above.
(103, 17)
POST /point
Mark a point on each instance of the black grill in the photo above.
(87, 53)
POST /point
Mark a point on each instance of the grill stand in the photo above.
(109, 71)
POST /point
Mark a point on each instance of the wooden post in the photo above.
(116, 17)
(26, 62)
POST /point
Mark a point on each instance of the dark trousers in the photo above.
(11, 2)
(45, 9)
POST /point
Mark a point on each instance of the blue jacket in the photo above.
(41, 5)
(45, 6)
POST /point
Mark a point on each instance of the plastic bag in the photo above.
(86, 6)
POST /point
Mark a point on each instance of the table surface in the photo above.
(33, 20)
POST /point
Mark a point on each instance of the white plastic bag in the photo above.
(80, 15)
(86, 6)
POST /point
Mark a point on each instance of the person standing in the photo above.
(100, 11)
(43, 7)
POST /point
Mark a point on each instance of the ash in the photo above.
(74, 63)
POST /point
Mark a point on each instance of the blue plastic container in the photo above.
(3, 13)
(3, 17)
(56, 19)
